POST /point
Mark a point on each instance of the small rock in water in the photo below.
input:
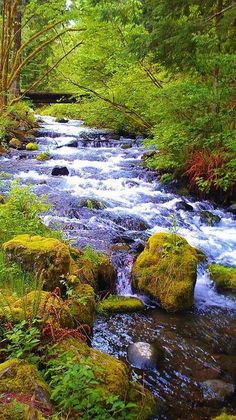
(144, 355)
(60, 170)
(182, 205)
(216, 389)
(209, 218)
(62, 120)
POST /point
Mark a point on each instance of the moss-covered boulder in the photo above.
(120, 304)
(48, 258)
(19, 377)
(224, 277)
(82, 304)
(112, 376)
(167, 270)
(15, 410)
(225, 416)
(32, 146)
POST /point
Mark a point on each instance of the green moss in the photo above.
(225, 416)
(224, 277)
(43, 156)
(32, 146)
(19, 411)
(18, 376)
(167, 270)
(82, 304)
(120, 304)
(48, 258)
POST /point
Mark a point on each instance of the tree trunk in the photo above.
(15, 89)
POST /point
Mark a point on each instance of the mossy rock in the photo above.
(95, 269)
(3, 198)
(120, 304)
(14, 410)
(39, 304)
(113, 376)
(48, 258)
(15, 144)
(32, 146)
(82, 304)
(167, 270)
(19, 377)
(43, 156)
(225, 416)
(224, 277)
(92, 204)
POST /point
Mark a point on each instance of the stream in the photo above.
(126, 205)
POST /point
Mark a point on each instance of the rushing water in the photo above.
(199, 345)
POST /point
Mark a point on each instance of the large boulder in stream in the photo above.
(112, 377)
(167, 270)
(224, 277)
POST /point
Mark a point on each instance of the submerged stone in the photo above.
(182, 205)
(144, 355)
(167, 270)
(216, 389)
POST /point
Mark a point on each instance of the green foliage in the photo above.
(76, 389)
(14, 280)
(21, 214)
(22, 340)
(93, 256)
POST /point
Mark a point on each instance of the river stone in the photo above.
(62, 120)
(144, 355)
(216, 389)
(232, 208)
(182, 205)
(60, 171)
(209, 218)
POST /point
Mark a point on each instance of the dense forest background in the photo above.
(163, 69)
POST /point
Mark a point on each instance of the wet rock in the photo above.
(16, 144)
(167, 270)
(72, 143)
(126, 146)
(62, 120)
(92, 204)
(120, 248)
(182, 205)
(138, 246)
(144, 355)
(232, 208)
(209, 218)
(60, 171)
(224, 277)
(120, 304)
(130, 222)
(217, 390)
